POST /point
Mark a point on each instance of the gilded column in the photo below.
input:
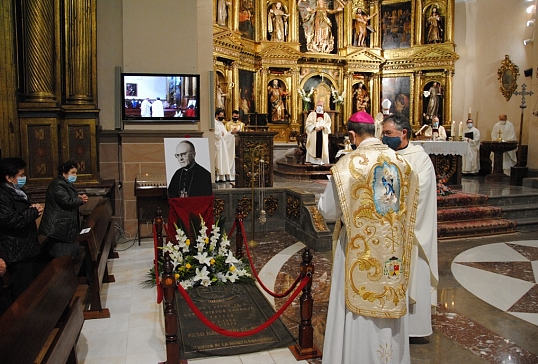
(236, 97)
(417, 112)
(419, 21)
(39, 50)
(348, 86)
(261, 106)
(80, 48)
(449, 19)
(296, 104)
(293, 22)
(376, 90)
(449, 74)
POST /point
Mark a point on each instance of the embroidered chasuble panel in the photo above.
(378, 195)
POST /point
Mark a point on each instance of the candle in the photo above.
(452, 130)
(469, 111)
(460, 131)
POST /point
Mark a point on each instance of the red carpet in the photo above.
(465, 215)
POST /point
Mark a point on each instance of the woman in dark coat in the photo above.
(60, 220)
(18, 229)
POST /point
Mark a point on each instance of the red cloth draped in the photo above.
(185, 207)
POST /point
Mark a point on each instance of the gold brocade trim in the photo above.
(379, 236)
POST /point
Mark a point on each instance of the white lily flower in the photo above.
(203, 259)
(231, 259)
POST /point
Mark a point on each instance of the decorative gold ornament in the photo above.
(319, 221)
(271, 205)
(507, 75)
(293, 207)
(218, 207)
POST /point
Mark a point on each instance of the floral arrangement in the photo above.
(304, 96)
(442, 189)
(205, 259)
(338, 98)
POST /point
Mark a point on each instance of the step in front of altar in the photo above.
(291, 170)
(462, 215)
(523, 209)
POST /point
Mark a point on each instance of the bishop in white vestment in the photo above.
(372, 196)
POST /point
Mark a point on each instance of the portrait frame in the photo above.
(399, 89)
(131, 89)
(507, 75)
(397, 35)
(201, 146)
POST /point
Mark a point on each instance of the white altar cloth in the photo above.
(445, 148)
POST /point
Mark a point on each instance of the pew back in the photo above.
(43, 324)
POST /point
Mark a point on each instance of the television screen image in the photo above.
(151, 97)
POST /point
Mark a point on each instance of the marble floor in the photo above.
(487, 313)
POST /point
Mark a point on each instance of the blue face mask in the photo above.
(435, 125)
(392, 142)
(71, 178)
(21, 181)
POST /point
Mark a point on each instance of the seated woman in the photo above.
(18, 230)
(60, 220)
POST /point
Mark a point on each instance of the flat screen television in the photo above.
(166, 97)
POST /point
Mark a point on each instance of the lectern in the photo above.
(254, 147)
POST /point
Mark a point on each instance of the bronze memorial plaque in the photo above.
(234, 307)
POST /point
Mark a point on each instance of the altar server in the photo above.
(507, 134)
(472, 136)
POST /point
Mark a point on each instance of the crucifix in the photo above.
(523, 105)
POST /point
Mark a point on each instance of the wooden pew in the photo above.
(99, 242)
(43, 324)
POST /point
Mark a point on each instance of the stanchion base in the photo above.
(303, 354)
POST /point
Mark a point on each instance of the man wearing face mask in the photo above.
(441, 132)
(372, 198)
(18, 229)
(507, 133)
(424, 271)
(318, 128)
(472, 136)
(235, 124)
(225, 150)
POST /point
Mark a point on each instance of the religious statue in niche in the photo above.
(361, 28)
(317, 25)
(361, 97)
(220, 100)
(277, 101)
(434, 27)
(222, 12)
(277, 23)
(433, 92)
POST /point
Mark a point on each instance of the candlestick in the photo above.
(469, 111)
(452, 131)
(460, 131)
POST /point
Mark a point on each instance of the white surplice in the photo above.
(225, 152)
(508, 133)
(312, 122)
(473, 165)
(424, 266)
(352, 338)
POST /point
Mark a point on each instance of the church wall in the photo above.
(156, 37)
(484, 32)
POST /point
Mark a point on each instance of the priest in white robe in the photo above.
(507, 134)
(372, 196)
(424, 262)
(472, 136)
(224, 150)
(318, 128)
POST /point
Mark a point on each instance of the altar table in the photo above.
(447, 158)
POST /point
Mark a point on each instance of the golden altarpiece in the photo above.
(279, 58)
(48, 88)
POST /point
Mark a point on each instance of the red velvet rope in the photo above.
(276, 295)
(254, 331)
(156, 262)
(232, 229)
